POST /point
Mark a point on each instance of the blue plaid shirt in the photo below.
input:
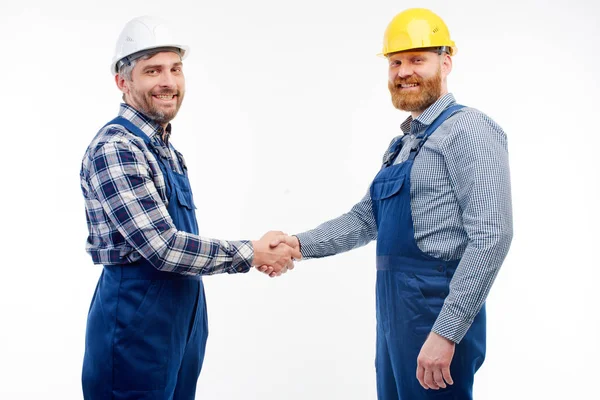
(126, 206)
(461, 208)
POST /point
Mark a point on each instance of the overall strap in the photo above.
(159, 151)
(393, 152)
(131, 127)
(432, 127)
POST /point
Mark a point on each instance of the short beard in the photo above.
(144, 102)
(429, 91)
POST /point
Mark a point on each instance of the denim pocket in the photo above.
(139, 354)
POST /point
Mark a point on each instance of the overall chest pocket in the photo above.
(384, 189)
(183, 191)
(185, 198)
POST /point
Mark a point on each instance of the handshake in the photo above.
(275, 253)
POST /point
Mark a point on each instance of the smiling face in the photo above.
(157, 86)
(417, 79)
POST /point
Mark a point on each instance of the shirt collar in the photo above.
(429, 115)
(148, 126)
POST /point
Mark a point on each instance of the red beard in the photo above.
(428, 91)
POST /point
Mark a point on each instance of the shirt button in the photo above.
(240, 269)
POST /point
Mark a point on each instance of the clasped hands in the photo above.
(275, 252)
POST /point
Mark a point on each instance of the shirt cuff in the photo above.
(451, 326)
(241, 253)
(308, 245)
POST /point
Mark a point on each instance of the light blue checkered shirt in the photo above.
(461, 208)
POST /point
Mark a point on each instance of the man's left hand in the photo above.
(277, 238)
(433, 363)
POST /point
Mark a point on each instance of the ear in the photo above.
(446, 64)
(122, 84)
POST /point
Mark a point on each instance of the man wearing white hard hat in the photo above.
(147, 325)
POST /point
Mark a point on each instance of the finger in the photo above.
(283, 238)
(421, 377)
(275, 269)
(447, 376)
(277, 241)
(289, 240)
(429, 380)
(285, 262)
(262, 268)
(292, 252)
(283, 258)
(296, 254)
(291, 265)
(438, 379)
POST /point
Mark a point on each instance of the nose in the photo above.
(167, 79)
(404, 70)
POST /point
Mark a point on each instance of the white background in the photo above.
(285, 120)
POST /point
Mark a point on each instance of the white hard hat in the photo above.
(142, 34)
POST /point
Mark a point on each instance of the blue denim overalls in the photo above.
(147, 329)
(411, 288)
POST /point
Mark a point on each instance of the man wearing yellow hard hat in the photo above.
(440, 210)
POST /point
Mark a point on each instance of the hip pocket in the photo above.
(139, 351)
(431, 291)
(422, 297)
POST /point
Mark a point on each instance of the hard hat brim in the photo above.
(183, 52)
(453, 50)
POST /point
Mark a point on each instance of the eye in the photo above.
(151, 71)
(395, 63)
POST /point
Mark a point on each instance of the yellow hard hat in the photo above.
(416, 28)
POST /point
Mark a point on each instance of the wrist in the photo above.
(254, 253)
(438, 336)
(297, 243)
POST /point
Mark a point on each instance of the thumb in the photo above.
(296, 254)
(277, 241)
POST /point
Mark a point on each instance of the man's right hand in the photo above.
(291, 241)
(279, 239)
(279, 257)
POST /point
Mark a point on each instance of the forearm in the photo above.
(469, 288)
(123, 185)
(189, 254)
(346, 232)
